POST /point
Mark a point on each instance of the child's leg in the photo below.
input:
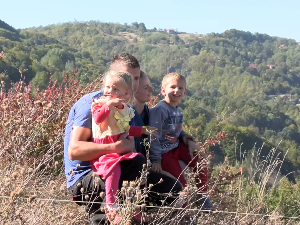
(202, 179)
(112, 184)
(170, 163)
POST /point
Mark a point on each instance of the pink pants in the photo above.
(108, 168)
(112, 184)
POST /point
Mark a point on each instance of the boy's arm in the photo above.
(156, 119)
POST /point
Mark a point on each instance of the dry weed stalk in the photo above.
(31, 148)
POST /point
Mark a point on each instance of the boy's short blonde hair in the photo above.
(175, 76)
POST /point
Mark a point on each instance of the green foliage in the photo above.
(41, 80)
(56, 59)
(286, 197)
(247, 84)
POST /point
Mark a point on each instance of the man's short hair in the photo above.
(125, 59)
(175, 76)
(143, 74)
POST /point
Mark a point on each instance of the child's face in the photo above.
(116, 88)
(144, 91)
(174, 90)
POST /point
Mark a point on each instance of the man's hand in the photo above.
(187, 138)
(148, 130)
(195, 149)
(80, 148)
(125, 144)
(156, 167)
(115, 102)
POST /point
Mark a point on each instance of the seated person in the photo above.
(111, 117)
(141, 118)
(165, 149)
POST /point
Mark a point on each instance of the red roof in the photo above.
(252, 65)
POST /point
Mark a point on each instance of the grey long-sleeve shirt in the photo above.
(167, 119)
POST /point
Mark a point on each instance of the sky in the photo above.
(272, 17)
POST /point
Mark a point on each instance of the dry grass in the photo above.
(32, 181)
(189, 36)
(130, 36)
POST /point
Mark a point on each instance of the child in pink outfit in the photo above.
(111, 118)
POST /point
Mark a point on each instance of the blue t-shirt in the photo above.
(80, 115)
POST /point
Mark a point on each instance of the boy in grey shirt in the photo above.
(167, 117)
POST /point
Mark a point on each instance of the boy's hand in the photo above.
(115, 102)
(169, 137)
(194, 149)
(156, 167)
(148, 130)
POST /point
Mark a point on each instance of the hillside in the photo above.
(253, 79)
(244, 84)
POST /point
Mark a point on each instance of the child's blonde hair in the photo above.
(120, 75)
(175, 76)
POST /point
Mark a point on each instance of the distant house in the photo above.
(282, 45)
(252, 65)
(171, 31)
(286, 97)
(271, 66)
(270, 97)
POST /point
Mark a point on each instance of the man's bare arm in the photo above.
(80, 148)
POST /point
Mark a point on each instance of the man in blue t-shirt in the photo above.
(79, 150)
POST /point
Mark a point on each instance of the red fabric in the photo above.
(135, 131)
(100, 113)
(104, 165)
(108, 167)
(170, 163)
(107, 139)
(112, 184)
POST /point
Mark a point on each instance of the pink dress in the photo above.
(107, 126)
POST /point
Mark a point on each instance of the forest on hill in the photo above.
(242, 83)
